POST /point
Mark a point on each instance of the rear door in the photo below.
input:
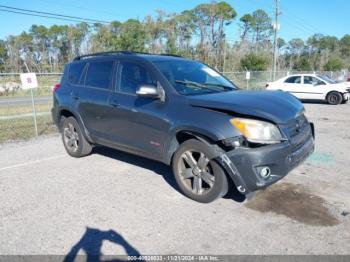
(293, 85)
(92, 97)
(138, 124)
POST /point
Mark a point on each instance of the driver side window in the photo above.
(310, 80)
(131, 76)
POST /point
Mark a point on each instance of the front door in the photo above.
(312, 87)
(137, 123)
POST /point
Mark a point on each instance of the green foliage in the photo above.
(247, 24)
(254, 62)
(333, 64)
(302, 64)
(345, 46)
(3, 55)
(262, 25)
(132, 37)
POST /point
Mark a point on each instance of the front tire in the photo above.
(334, 98)
(73, 139)
(197, 175)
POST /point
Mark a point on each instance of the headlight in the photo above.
(256, 131)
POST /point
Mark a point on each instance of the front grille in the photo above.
(296, 126)
(298, 132)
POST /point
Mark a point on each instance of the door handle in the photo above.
(114, 103)
(76, 96)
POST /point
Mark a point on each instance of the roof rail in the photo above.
(165, 54)
(117, 53)
(103, 54)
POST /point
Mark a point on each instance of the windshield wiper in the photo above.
(204, 86)
(195, 84)
(228, 88)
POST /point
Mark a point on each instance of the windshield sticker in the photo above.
(210, 71)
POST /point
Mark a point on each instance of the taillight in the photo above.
(55, 87)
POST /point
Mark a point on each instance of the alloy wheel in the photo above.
(71, 137)
(196, 172)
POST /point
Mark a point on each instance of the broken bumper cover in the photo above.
(243, 164)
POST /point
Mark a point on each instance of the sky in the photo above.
(299, 18)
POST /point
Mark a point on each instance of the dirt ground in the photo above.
(110, 201)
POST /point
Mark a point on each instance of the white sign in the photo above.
(29, 81)
(247, 75)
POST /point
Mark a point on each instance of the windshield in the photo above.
(193, 78)
(327, 79)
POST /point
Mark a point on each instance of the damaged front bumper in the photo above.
(244, 165)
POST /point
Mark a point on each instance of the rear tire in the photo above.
(73, 139)
(198, 176)
(334, 98)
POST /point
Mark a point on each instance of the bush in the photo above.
(253, 62)
(333, 64)
(303, 64)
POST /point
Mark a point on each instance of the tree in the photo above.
(345, 46)
(247, 25)
(302, 64)
(254, 62)
(132, 36)
(262, 26)
(333, 64)
(3, 55)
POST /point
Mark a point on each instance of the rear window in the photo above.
(293, 80)
(75, 71)
(99, 74)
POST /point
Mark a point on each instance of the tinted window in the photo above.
(131, 76)
(293, 80)
(75, 71)
(99, 74)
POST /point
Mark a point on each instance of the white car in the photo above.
(314, 87)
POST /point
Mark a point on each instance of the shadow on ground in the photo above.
(91, 244)
(295, 202)
(157, 167)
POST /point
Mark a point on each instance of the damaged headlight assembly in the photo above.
(257, 131)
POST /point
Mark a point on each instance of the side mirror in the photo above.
(149, 91)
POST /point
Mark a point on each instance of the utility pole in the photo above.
(276, 28)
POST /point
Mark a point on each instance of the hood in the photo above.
(276, 106)
(343, 86)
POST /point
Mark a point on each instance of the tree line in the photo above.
(199, 33)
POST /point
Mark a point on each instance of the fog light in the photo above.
(265, 172)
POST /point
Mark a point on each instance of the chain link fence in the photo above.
(16, 114)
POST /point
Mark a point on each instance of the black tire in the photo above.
(204, 180)
(334, 98)
(73, 139)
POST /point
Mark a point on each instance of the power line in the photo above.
(58, 18)
(79, 7)
(52, 15)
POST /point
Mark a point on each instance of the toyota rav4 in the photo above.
(185, 114)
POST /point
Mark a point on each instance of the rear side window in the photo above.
(75, 71)
(99, 74)
(293, 80)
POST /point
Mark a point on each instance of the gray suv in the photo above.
(185, 114)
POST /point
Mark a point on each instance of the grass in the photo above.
(24, 109)
(23, 128)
